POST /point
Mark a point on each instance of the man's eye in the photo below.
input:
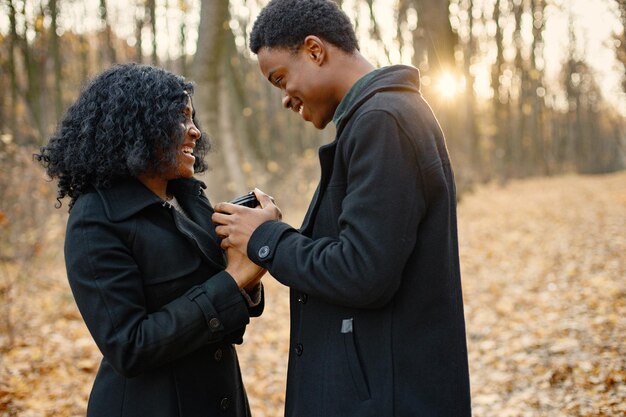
(277, 81)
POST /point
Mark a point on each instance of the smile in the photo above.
(187, 150)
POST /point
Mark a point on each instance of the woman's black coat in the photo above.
(151, 287)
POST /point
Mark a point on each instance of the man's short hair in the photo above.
(286, 23)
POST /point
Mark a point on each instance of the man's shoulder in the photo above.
(398, 105)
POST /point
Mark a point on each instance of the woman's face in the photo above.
(184, 153)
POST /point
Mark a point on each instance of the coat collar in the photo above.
(392, 78)
(128, 197)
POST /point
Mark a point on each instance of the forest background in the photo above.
(522, 88)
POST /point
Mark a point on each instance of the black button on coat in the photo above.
(382, 333)
(151, 287)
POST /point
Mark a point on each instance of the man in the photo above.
(377, 325)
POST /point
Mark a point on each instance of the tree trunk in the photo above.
(34, 93)
(518, 134)
(151, 9)
(108, 39)
(209, 63)
(499, 155)
(56, 56)
(434, 39)
(13, 40)
(620, 51)
(471, 127)
(182, 5)
(84, 51)
(537, 163)
(139, 23)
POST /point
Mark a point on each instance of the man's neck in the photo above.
(354, 67)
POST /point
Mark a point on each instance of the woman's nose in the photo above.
(194, 132)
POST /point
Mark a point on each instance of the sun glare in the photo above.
(449, 85)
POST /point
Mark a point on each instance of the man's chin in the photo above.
(319, 124)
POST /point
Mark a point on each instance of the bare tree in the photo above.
(13, 41)
(140, 22)
(471, 127)
(56, 56)
(208, 68)
(537, 92)
(620, 39)
(433, 40)
(500, 155)
(151, 11)
(109, 49)
(182, 5)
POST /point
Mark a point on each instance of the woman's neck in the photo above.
(155, 184)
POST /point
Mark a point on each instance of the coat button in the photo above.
(264, 252)
(299, 349)
(224, 404)
(302, 298)
(218, 355)
(214, 323)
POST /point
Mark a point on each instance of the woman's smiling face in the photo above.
(185, 159)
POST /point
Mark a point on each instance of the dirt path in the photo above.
(544, 275)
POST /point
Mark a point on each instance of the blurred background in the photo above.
(531, 95)
(522, 87)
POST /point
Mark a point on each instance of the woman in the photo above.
(162, 301)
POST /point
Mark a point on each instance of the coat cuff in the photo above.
(222, 305)
(253, 298)
(264, 240)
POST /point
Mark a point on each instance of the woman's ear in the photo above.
(315, 49)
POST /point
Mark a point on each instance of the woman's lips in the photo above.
(187, 151)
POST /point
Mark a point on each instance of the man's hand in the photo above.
(235, 224)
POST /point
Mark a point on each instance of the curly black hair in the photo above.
(286, 23)
(126, 122)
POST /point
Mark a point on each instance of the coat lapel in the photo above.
(129, 197)
(205, 243)
(326, 155)
(198, 226)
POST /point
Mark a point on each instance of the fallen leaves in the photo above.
(544, 268)
(544, 276)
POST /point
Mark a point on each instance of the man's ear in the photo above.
(315, 49)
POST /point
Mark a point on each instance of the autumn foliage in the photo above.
(543, 260)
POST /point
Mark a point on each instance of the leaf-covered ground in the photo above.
(544, 276)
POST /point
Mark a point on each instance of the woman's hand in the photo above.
(235, 224)
(246, 273)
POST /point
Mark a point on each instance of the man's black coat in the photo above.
(151, 288)
(377, 326)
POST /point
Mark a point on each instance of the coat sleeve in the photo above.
(380, 213)
(107, 286)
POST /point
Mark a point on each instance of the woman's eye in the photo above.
(277, 81)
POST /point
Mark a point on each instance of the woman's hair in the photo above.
(286, 23)
(126, 122)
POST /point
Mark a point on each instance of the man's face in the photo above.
(303, 81)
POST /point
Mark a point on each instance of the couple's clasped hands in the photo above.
(235, 225)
